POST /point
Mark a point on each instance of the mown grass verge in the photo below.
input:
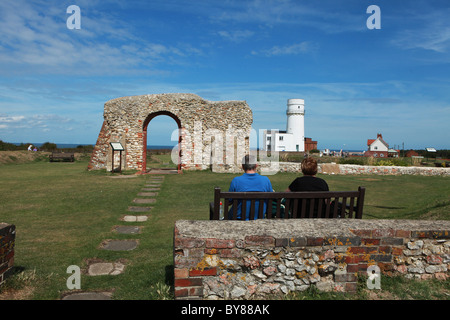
(63, 212)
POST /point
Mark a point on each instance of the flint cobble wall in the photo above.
(393, 170)
(7, 242)
(258, 259)
(327, 168)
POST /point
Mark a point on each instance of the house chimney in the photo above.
(379, 136)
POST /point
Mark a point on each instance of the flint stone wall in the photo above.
(204, 128)
(257, 259)
(330, 168)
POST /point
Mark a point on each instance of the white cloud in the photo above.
(35, 39)
(36, 121)
(427, 30)
(328, 17)
(12, 119)
(236, 36)
(294, 49)
(435, 39)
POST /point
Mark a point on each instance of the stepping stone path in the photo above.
(147, 195)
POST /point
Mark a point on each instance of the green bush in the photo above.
(391, 162)
(48, 146)
(360, 161)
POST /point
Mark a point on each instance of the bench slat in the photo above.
(350, 214)
(294, 209)
(261, 209)
(319, 209)
(288, 195)
(235, 205)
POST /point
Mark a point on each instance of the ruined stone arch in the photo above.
(126, 120)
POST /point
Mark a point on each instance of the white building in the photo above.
(293, 139)
(380, 148)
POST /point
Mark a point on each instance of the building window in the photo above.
(281, 138)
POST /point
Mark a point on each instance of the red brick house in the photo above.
(310, 144)
(411, 153)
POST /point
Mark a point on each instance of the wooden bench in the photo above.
(61, 156)
(328, 204)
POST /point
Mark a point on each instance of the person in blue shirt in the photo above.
(250, 181)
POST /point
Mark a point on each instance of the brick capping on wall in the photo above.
(7, 242)
(254, 259)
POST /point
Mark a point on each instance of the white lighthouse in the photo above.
(293, 139)
(296, 124)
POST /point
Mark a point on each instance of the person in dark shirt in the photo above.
(308, 182)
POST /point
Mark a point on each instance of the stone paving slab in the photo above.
(164, 171)
(127, 229)
(106, 268)
(119, 245)
(123, 176)
(144, 201)
(139, 209)
(130, 218)
(150, 189)
(88, 296)
(147, 194)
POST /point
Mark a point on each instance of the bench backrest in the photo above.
(62, 154)
(286, 205)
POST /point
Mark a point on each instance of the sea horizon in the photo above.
(74, 145)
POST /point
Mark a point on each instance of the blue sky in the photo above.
(356, 81)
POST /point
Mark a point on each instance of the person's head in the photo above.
(309, 166)
(249, 163)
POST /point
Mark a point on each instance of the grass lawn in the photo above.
(62, 214)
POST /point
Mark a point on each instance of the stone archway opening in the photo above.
(145, 134)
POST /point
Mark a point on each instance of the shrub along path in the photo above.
(101, 268)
